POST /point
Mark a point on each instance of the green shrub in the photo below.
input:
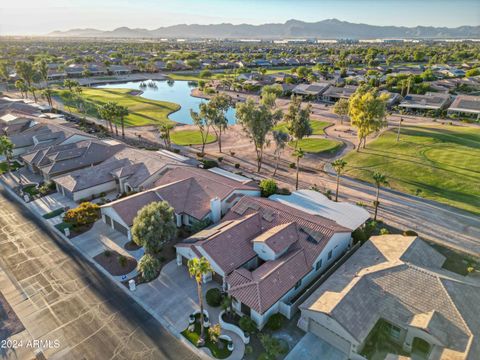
(247, 324)
(122, 260)
(292, 165)
(149, 267)
(208, 164)
(268, 187)
(214, 297)
(237, 166)
(409, 233)
(275, 322)
(86, 213)
(220, 158)
(359, 235)
(107, 253)
(283, 191)
(384, 231)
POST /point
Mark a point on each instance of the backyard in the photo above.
(437, 162)
(142, 111)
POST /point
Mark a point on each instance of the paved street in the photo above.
(59, 296)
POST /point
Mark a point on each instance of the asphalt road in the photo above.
(65, 298)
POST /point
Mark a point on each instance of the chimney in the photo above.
(216, 209)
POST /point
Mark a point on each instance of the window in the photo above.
(297, 285)
(395, 332)
(330, 254)
(318, 265)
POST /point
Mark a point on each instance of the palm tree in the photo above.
(298, 153)
(198, 268)
(42, 69)
(380, 179)
(281, 139)
(121, 112)
(47, 94)
(105, 112)
(338, 165)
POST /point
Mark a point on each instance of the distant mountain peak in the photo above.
(324, 29)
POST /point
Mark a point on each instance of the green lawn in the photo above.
(190, 137)
(194, 76)
(318, 127)
(438, 162)
(3, 166)
(142, 111)
(455, 261)
(53, 213)
(316, 146)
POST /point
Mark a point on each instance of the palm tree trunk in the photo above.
(298, 170)
(220, 140)
(338, 183)
(200, 301)
(259, 159)
(376, 203)
(116, 128)
(123, 127)
(276, 165)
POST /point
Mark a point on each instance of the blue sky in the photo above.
(42, 16)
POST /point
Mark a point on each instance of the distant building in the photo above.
(429, 101)
(466, 106)
(333, 93)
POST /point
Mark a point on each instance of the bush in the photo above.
(107, 253)
(149, 267)
(283, 191)
(268, 187)
(247, 324)
(292, 165)
(208, 164)
(359, 235)
(232, 153)
(176, 151)
(122, 260)
(275, 322)
(409, 233)
(220, 159)
(214, 297)
(86, 213)
(237, 166)
(384, 231)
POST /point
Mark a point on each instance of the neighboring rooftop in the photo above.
(432, 101)
(466, 104)
(400, 279)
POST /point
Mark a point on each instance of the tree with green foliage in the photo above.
(268, 187)
(272, 89)
(105, 112)
(203, 120)
(4, 75)
(367, 111)
(148, 266)
(281, 140)
(298, 119)
(338, 165)
(6, 149)
(84, 214)
(220, 104)
(47, 94)
(272, 347)
(379, 179)
(257, 121)
(341, 109)
(70, 84)
(22, 87)
(198, 268)
(121, 112)
(298, 154)
(165, 134)
(26, 71)
(154, 226)
(42, 69)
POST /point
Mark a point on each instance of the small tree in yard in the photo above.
(198, 267)
(214, 332)
(148, 267)
(220, 104)
(272, 347)
(165, 132)
(153, 226)
(268, 187)
(298, 120)
(203, 120)
(84, 214)
(6, 149)
(280, 139)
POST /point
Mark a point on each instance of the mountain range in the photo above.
(325, 29)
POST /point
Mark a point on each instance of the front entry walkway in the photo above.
(173, 296)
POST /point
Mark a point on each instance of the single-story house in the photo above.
(429, 101)
(313, 202)
(195, 195)
(68, 156)
(127, 170)
(334, 93)
(466, 105)
(264, 253)
(313, 90)
(397, 282)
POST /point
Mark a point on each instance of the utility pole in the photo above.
(399, 127)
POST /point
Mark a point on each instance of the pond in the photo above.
(173, 91)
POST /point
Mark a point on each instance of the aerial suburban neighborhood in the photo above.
(217, 180)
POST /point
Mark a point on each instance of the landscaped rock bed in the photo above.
(115, 263)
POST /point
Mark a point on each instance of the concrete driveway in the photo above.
(313, 348)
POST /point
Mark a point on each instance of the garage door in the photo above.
(329, 336)
(120, 228)
(108, 220)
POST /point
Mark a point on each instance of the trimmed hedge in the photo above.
(275, 322)
(214, 297)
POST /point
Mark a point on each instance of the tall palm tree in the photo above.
(380, 179)
(121, 112)
(165, 130)
(298, 153)
(338, 165)
(280, 139)
(198, 268)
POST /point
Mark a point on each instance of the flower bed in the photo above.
(218, 349)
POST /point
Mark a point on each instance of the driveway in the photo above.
(312, 347)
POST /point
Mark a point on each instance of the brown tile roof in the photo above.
(389, 278)
(280, 237)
